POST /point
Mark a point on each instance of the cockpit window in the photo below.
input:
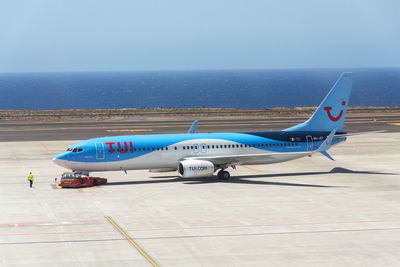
(76, 150)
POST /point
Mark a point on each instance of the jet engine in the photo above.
(196, 168)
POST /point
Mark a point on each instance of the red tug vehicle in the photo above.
(77, 179)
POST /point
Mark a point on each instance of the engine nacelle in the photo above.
(196, 168)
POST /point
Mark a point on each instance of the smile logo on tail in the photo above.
(332, 118)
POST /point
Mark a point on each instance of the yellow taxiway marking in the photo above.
(131, 241)
(58, 186)
(81, 191)
(130, 130)
(395, 124)
(253, 169)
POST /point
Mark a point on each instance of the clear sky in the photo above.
(103, 35)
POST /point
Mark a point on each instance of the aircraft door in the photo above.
(100, 153)
(310, 143)
(196, 148)
(203, 148)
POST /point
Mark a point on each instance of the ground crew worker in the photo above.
(30, 179)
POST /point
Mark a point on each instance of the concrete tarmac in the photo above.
(306, 212)
(22, 131)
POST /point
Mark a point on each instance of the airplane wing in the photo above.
(229, 160)
(239, 158)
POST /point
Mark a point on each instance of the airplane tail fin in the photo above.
(331, 112)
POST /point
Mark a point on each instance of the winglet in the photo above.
(193, 128)
(328, 141)
(326, 144)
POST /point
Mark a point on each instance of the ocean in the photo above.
(246, 89)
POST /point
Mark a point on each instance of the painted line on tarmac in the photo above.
(260, 225)
(268, 213)
(56, 223)
(141, 251)
(250, 168)
(56, 233)
(61, 241)
(371, 121)
(199, 236)
(395, 124)
(57, 186)
(270, 233)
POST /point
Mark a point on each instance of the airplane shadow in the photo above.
(242, 179)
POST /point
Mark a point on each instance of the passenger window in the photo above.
(175, 148)
(212, 146)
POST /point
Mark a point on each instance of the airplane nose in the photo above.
(58, 159)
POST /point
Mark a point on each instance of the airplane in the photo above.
(202, 154)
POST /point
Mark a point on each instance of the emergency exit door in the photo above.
(310, 144)
(100, 153)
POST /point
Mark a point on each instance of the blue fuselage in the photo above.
(165, 151)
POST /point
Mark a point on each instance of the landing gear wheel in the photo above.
(223, 175)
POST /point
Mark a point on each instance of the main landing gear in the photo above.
(223, 175)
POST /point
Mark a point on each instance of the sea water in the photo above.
(245, 89)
